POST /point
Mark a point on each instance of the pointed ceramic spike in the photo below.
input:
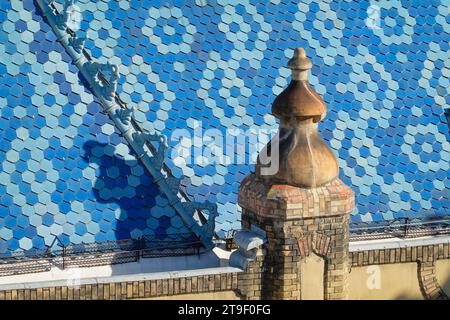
(174, 183)
(298, 155)
(77, 44)
(124, 115)
(138, 138)
(299, 64)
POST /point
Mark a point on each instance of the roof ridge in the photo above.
(141, 142)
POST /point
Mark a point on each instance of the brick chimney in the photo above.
(297, 199)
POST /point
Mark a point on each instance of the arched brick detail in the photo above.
(298, 221)
(304, 245)
(321, 244)
(431, 290)
(314, 242)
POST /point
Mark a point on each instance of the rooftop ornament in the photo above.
(297, 199)
(301, 156)
(102, 79)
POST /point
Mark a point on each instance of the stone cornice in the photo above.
(288, 202)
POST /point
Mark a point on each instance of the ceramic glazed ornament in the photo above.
(297, 155)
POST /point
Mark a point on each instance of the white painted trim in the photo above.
(393, 243)
(123, 278)
(209, 263)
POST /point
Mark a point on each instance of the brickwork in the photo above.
(289, 202)
(129, 290)
(428, 253)
(425, 256)
(250, 282)
(429, 285)
(297, 221)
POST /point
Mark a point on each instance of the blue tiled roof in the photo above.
(223, 63)
(64, 169)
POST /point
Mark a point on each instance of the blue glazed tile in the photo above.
(44, 155)
(58, 146)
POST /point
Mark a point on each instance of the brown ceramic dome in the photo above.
(299, 99)
(298, 153)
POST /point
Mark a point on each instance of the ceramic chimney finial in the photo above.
(298, 152)
(299, 64)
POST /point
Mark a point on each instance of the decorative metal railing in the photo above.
(98, 253)
(396, 228)
(132, 250)
(401, 228)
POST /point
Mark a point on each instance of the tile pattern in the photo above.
(64, 169)
(222, 62)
